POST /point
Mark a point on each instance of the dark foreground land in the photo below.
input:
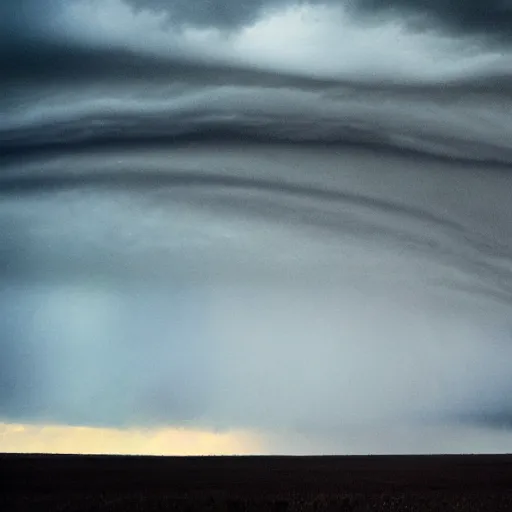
(236, 484)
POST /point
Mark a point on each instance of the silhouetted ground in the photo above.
(236, 484)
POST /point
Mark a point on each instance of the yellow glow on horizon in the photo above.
(61, 439)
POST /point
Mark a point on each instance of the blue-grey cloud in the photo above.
(176, 86)
(27, 20)
(465, 16)
(272, 215)
(242, 298)
(491, 18)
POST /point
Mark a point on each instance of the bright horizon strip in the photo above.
(62, 439)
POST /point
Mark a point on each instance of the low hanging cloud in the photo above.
(287, 218)
(456, 15)
(275, 79)
(296, 37)
(474, 16)
(315, 314)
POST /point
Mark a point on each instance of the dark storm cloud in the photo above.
(73, 137)
(266, 308)
(217, 13)
(239, 103)
(16, 16)
(57, 63)
(54, 64)
(488, 17)
(277, 104)
(225, 337)
(261, 107)
(493, 16)
(119, 180)
(494, 273)
(27, 19)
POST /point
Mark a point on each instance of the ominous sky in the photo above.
(255, 226)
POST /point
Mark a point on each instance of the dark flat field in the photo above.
(355, 483)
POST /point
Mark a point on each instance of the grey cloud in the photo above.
(22, 19)
(480, 16)
(217, 13)
(71, 370)
(56, 63)
(259, 318)
(191, 241)
(19, 366)
(486, 17)
(475, 15)
(26, 19)
(267, 373)
(394, 120)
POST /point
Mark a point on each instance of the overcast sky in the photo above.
(255, 226)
